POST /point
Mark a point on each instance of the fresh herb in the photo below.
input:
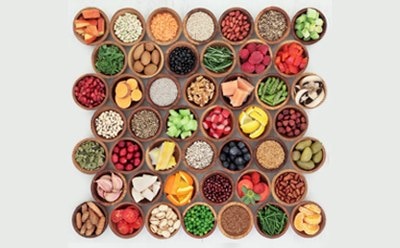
(199, 220)
(90, 155)
(218, 58)
(272, 220)
(110, 60)
(273, 91)
(250, 197)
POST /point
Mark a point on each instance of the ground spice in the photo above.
(164, 27)
(199, 155)
(270, 154)
(272, 25)
(145, 124)
(200, 26)
(235, 220)
(163, 92)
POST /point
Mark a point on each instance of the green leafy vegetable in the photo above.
(90, 155)
(250, 197)
(110, 60)
(272, 220)
(218, 58)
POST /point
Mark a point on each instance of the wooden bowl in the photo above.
(195, 187)
(113, 226)
(176, 154)
(321, 35)
(226, 100)
(123, 12)
(273, 187)
(145, 202)
(106, 155)
(220, 225)
(265, 105)
(222, 44)
(176, 17)
(97, 114)
(267, 68)
(148, 216)
(214, 159)
(217, 173)
(94, 59)
(284, 149)
(105, 89)
(160, 120)
(98, 198)
(317, 166)
(285, 138)
(264, 179)
(296, 210)
(257, 225)
(124, 77)
(78, 209)
(190, 80)
(186, 33)
(267, 130)
(215, 220)
(131, 62)
(98, 40)
(297, 81)
(194, 133)
(150, 83)
(140, 148)
(249, 18)
(204, 116)
(276, 55)
(247, 164)
(288, 23)
(177, 45)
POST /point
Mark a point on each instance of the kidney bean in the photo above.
(291, 123)
(235, 26)
(217, 188)
(290, 187)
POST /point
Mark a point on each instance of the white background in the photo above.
(359, 123)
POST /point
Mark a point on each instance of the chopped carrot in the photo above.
(91, 13)
(92, 30)
(100, 26)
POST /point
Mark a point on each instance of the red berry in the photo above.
(131, 148)
(116, 149)
(121, 144)
(129, 155)
(255, 177)
(246, 177)
(123, 152)
(258, 188)
(119, 166)
(123, 160)
(136, 162)
(130, 215)
(114, 158)
(137, 155)
(123, 227)
(138, 223)
(129, 167)
(116, 216)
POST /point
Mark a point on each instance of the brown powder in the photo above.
(235, 220)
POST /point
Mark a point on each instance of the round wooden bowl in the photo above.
(297, 81)
(106, 154)
(257, 225)
(148, 216)
(160, 120)
(150, 83)
(94, 59)
(98, 40)
(217, 173)
(204, 116)
(295, 211)
(226, 100)
(124, 77)
(267, 130)
(267, 68)
(221, 44)
(283, 147)
(276, 55)
(264, 179)
(193, 133)
(247, 164)
(98, 198)
(214, 159)
(123, 12)
(288, 23)
(105, 89)
(113, 226)
(273, 187)
(97, 114)
(140, 148)
(131, 62)
(321, 35)
(177, 154)
(249, 18)
(78, 209)
(265, 105)
(145, 202)
(190, 80)
(172, 48)
(176, 17)
(317, 166)
(285, 138)
(221, 212)
(215, 220)
(195, 187)
(186, 33)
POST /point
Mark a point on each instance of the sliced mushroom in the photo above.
(316, 101)
(300, 94)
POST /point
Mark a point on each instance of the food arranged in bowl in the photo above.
(145, 187)
(309, 90)
(253, 187)
(180, 188)
(91, 26)
(308, 154)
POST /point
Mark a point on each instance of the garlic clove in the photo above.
(116, 182)
(104, 184)
(100, 191)
(111, 197)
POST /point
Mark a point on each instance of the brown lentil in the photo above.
(272, 25)
(200, 91)
(145, 124)
(270, 154)
(235, 220)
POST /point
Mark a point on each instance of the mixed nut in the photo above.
(309, 91)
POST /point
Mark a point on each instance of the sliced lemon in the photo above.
(249, 110)
(250, 126)
(260, 118)
(244, 118)
(262, 113)
(257, 133)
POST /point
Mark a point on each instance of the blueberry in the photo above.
(245, 150)
(234, 151)
(232, 158)
(226, 149)
(222, 157)
(232, 144)
(247, 157)
(241, 145)
(232, 167)
(225, 164)
(239, 161)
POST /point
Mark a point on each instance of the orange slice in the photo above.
(186, 177)
(314, 219)
(311, 229)
(306, 211)
(173, 200)
(184, 190)
(169, 184)
(175, 185)
(186, 199)
(313, 208)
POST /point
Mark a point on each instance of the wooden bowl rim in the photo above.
(267, 68)
(101, 110)
(100, 199)
(261, 80)
(177, 18)
(276, 198)
(190, 80)
(215, 23)
(113, 225)
(124, 11)
(160, 120)
(140, 147)
(324, 26)
(317, 166)
(222, 44)
(106, 155)
(276, 118)
(148, 216)
(224, 174)
(282, 144)
(94, 56)
(251, 221)
(130, 59)
(106, 27)
(249, 19)
(288, 23)
(150, 83)
(123, 77)
(98, 76)
(103, 210)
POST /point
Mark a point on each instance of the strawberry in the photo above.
(246, 177)
(259, 188)
(116, 216)
(255, 177)
(264, 195)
